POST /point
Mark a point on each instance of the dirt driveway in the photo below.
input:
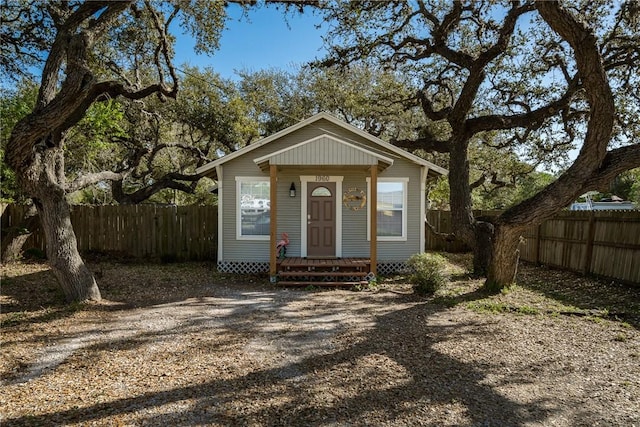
(182, 345)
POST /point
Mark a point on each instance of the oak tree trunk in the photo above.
(44, 181)
(76, 280)
(483, 248)
(503, 264)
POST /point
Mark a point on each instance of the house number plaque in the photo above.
(354, 199)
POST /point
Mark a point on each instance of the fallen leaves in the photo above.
(181, 344)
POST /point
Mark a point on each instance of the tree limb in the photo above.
(427, 144)
(599, 128)
(87, 180)
(169, 181)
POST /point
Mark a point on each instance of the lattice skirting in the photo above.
(248, 267)
(393, 267)
(243, 267)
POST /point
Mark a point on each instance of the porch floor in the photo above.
(296, 271)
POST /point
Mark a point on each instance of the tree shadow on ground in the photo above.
(33, 297)
(33, 288)
(565, 293)
(289, 393)
(337, 386)
(614, 300)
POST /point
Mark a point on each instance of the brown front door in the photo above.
(321, 219)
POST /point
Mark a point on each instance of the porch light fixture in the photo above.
(292, 190)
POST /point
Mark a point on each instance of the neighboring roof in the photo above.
(324, 150)
(326, 116)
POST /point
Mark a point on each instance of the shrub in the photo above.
(428, 272)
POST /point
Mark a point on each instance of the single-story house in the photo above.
(313, 181)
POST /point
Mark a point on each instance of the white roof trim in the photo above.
(314, 118)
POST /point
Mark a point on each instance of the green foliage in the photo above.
(93, 144)
(501, 178)
(274, 99)
(487, 307)
(212, 112)
(14, 105)
(439, 194)
(428, 272)
(366, 96)
(370, 286)
(135, 139)
(626, 185)
(26, 30)
(621, 337)
(204, 20)
(93, 195)
(8, 188)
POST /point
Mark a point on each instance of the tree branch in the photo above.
(169, 181)
(615, 162)
(427, 144)
(87, 180)
(599, 129)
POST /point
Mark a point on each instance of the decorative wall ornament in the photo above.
(354, 199)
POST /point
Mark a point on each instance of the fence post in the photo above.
(591, 233)
(538, 242)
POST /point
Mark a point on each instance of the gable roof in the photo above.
(323, 150)
(315, 118)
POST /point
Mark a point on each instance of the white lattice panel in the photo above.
(243, 267)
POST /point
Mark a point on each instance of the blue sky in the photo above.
(266, 39)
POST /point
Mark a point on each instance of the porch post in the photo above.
(273, 221)
(373, 223)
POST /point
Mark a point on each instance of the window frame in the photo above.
(243, 180)
(405, 190)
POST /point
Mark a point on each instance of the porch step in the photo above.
(323, 272)
(309, 283)
(294, 273)
(338, 263)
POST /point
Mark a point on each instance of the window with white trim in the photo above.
(391, 209)
(253, 208)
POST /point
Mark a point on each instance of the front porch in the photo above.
(296, 271)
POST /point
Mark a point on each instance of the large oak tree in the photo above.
(533, 78)
(87, 52)
(91, 52)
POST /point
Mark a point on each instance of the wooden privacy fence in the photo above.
(141, 231)
(602, 243)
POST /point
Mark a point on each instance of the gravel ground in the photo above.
(181, 344)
